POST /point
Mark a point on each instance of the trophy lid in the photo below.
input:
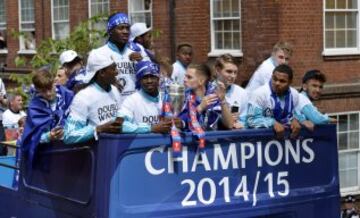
(176, 88)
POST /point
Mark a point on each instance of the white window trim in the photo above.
(89, 8)
(21, 39)
(217, 52)
(130, 12)
(355, 190)
(4, 50)
(27, 51)
(58, 21)
(341, 51)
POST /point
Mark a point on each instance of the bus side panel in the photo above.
(240, 174)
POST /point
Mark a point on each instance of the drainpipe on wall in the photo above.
(172, 28)
(42, 19)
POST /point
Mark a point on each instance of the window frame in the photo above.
(22, 47)
(4, 50)
(90, 4)
(354, 190)
(217, 52)
(341, 51)
(130, 11)
(53, 22)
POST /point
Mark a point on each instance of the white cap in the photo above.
(138, 29)
(98, 59)
(67, 56)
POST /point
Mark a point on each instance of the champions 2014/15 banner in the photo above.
(245, 173)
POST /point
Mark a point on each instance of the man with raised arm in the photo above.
(122, 51)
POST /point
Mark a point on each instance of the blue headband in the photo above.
(144, 68)
(116, 19)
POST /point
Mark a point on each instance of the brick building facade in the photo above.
(314, 28)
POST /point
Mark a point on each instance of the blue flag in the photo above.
(40, 118)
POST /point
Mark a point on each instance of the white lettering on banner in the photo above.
(248, 155)
(220, 158)
(308, 150)
(279, 153)
(289, 149)
(183, 159)
(242, 189)
(200, 158)
(234, 156)
(148, 164)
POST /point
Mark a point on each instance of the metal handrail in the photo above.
(9, 145)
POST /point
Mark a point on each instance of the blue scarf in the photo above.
(209, 116)
(282, 115)
(40, 118)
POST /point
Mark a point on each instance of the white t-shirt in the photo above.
(261, 76)
(178, 73)
(10, 119)
(95, 106)
(303, 101)
(2, 93)
(126, 68)
(141, 109)
(261, 98)
(237, 96)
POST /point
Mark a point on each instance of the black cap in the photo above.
(313, 74)
(349, 199)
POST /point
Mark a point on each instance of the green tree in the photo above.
(86, 36)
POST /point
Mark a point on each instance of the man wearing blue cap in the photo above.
(144, 107)
(311, 89)
(118, 30)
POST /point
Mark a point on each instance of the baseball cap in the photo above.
(98, 59)
(67, 56)
(138, 29)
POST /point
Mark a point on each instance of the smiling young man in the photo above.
(226, 71)
(142, 109)
(311, 89)
(280, 55)
(273, 104)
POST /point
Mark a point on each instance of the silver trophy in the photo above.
(177, 95)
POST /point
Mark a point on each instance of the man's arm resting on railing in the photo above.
(256, 119)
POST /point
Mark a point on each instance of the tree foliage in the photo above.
(84, 37)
